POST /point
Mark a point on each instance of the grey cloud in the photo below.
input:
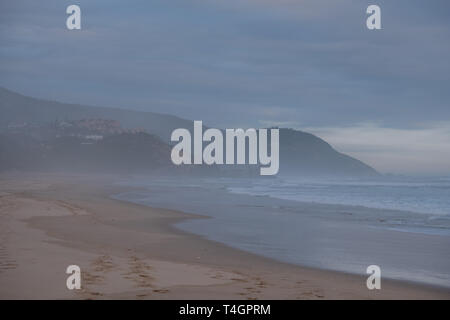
(231, 62)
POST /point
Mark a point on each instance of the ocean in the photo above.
(427, 196)
(401, 224)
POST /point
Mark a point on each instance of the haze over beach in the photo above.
(86, 142)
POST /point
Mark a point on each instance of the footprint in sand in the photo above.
(103, 264)
(6, 263)
(139, 272)
(90, 278)
(74, 210)
(311, 294)
(259, 282)
(100, 266)
(161, 290)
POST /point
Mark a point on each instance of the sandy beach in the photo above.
(130, 251)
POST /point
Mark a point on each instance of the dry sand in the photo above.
(129, 251)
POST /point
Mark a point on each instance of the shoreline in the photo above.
(131, 251)
(312, 235)
(189, 216)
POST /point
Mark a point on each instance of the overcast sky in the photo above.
(382, 96)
